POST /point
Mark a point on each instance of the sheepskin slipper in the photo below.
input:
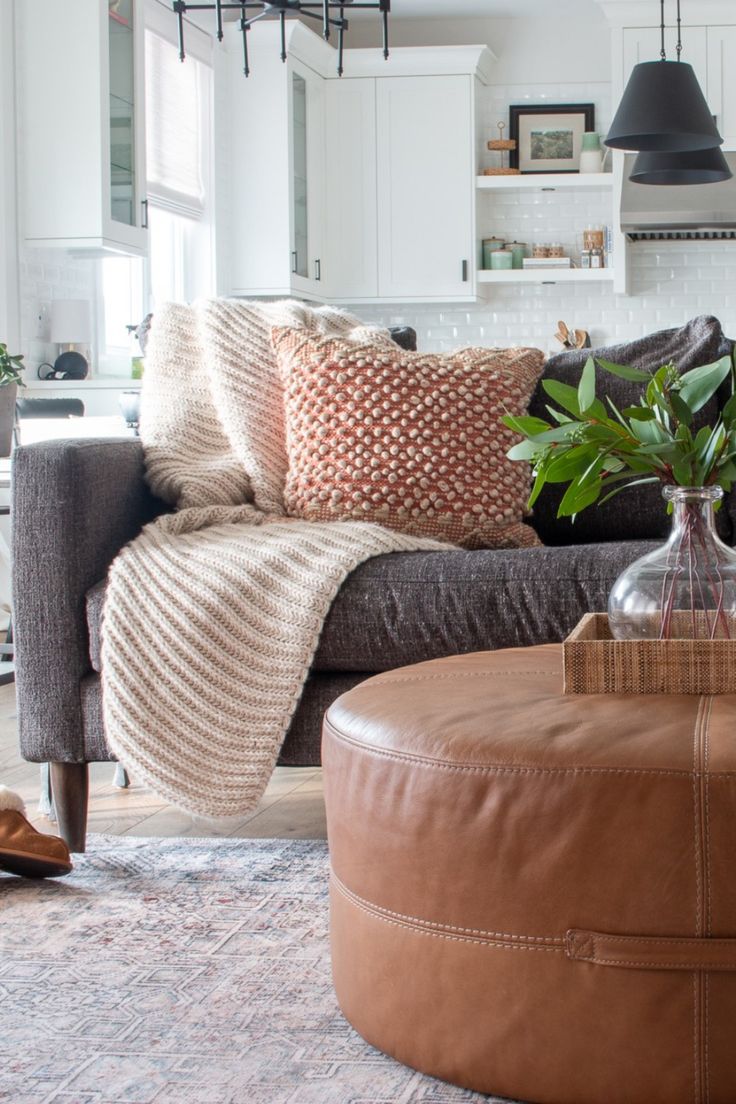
(23, 850)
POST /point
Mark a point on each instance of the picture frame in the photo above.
(549, 136)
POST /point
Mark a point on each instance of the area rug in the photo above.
(184, 972)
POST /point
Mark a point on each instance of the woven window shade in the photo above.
(173, 130)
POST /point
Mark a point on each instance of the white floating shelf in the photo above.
(112, 383)
(548, 276)
(546, 181)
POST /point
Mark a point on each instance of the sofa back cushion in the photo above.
(639, 513)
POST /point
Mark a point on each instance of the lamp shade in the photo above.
(693, 167)
(71, 322)
(663, 110)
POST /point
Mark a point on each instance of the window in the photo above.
(180, 265)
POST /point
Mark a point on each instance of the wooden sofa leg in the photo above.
(70, 787)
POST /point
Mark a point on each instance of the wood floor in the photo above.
(291, 808)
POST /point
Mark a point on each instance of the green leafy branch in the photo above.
(10, 367)
(599, 450)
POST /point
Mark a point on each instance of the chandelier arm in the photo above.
(218, 16)
(179, 8)
(245, 27)
(282, 24)
(384, 22)
(679, 31)
(313, 15)
(326, 20)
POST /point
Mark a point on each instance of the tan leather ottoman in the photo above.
(535, 895)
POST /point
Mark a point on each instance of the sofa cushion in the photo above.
(412, 441)
(406, 607)
(638, 513)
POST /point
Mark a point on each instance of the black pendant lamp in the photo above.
(663, 108)
(692, 167)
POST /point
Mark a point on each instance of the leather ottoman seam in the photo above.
(497, 768)
(397, 920)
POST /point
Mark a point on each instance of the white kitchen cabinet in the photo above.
(81, 125)
(644, 43)
(721, 92)
(426, 178)
(277, 166)
(351, 246)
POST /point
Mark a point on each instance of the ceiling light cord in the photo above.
(662, 51)
(679, 31)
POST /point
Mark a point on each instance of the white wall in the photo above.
(9, 321)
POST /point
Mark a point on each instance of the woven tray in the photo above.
(595, 663)
(501, 172)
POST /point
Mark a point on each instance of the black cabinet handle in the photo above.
(144, 214)
(465, 272)
(293, 262)
(318, 270)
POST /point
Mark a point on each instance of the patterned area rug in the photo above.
(184, 972)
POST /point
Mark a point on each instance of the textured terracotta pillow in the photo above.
(408, 440)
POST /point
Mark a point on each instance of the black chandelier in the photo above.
(330, 13)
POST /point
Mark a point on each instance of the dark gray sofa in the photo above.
(76, 502)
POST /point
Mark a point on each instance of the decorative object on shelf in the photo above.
(70, 326)
(138, 334)
(549, 137)
(130, 408)
(280, 9)
(502, 259)
(687, 588)
(690, 167)
(502, 146)
(11, 366)
(572, 339)
(518, 252)
(489, 247)
(591, 154)
(663, 108)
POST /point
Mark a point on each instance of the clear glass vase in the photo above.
(685, 589)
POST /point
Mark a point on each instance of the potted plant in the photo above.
(687, 588)
(10, 380)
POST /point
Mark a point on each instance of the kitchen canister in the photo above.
(517, 251)
(502, 259)
(591, 154)
(491, 246)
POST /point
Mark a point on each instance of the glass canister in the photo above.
(518, 252)
(491, 246)
(502, 259)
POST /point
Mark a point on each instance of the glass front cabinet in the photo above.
(82, 138)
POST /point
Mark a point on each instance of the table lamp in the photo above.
(71, 326)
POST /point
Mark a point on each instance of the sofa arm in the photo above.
(74, 504)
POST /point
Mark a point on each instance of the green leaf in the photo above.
(680, 409)
(624, 371)
(625, 487)
(526, 425)
(639, 413)
(558, 434)
(586, 387)
(525, 450)
(729, 410)
(570, 463)
(558, 416)
(700, 384)
(563, 394)
(576, 498)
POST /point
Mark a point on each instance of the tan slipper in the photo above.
(23, 850)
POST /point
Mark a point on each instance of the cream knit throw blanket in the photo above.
(213, 614)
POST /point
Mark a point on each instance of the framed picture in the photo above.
(549, 137)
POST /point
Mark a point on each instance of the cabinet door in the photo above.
(351, 250)
(722, 82)
(644, 43)
(125, 189)
(425, 187)
(307, 178)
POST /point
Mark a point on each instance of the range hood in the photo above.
(689, 212)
